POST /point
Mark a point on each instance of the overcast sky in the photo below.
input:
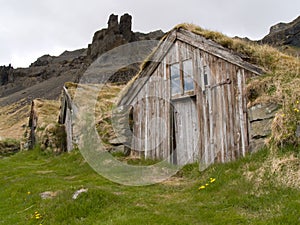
(32, 28)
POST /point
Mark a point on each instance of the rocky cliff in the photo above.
(45, 77)
(284, 34)
(116, 34)
(5, 74)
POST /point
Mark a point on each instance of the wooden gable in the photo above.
(208, 124)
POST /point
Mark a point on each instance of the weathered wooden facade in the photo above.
(189, 102)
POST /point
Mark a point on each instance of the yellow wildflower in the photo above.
(28, 192)
(37, 215)
(201, 187)
(297, 102)
(212, 180)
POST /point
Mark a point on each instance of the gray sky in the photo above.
(32, 28)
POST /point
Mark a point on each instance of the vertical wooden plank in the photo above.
(208, 150)
(241, 113)
(139, 135)
(195, 131)
(235, 131)
(159, 113)
(231, 115)
(226, 115)
(152, 125)
(245, 111)
(167, 100)
(158, 116)
(137, 128)
(237, 115)
(189, 135)
(202, 115)
(213, 112)
(199, 101)
(221, 109)
(147, 138)
(142, 125)
(168, 106)
(217, 111)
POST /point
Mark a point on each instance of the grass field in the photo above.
(253, 190)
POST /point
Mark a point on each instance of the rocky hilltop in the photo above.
(116, 34)
(284, 34)
(45, 77)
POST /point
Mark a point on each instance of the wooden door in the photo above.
(185, 131)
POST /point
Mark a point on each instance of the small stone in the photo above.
(49, 194)
(78, 192)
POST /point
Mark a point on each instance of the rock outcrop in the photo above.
(42, 79)
(45, 77)
(6, 74)
(284, 34)
(117, 34)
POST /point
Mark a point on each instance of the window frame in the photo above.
(171, 79)
(182, 92)
(188, 76)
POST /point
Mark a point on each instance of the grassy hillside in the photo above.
(14, 119)
(262, 188)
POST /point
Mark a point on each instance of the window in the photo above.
(188, 75)
(175, 79)
(182, 77)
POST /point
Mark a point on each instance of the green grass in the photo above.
(235, 197)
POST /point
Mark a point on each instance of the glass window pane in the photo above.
(188, 75)
(175, 79)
